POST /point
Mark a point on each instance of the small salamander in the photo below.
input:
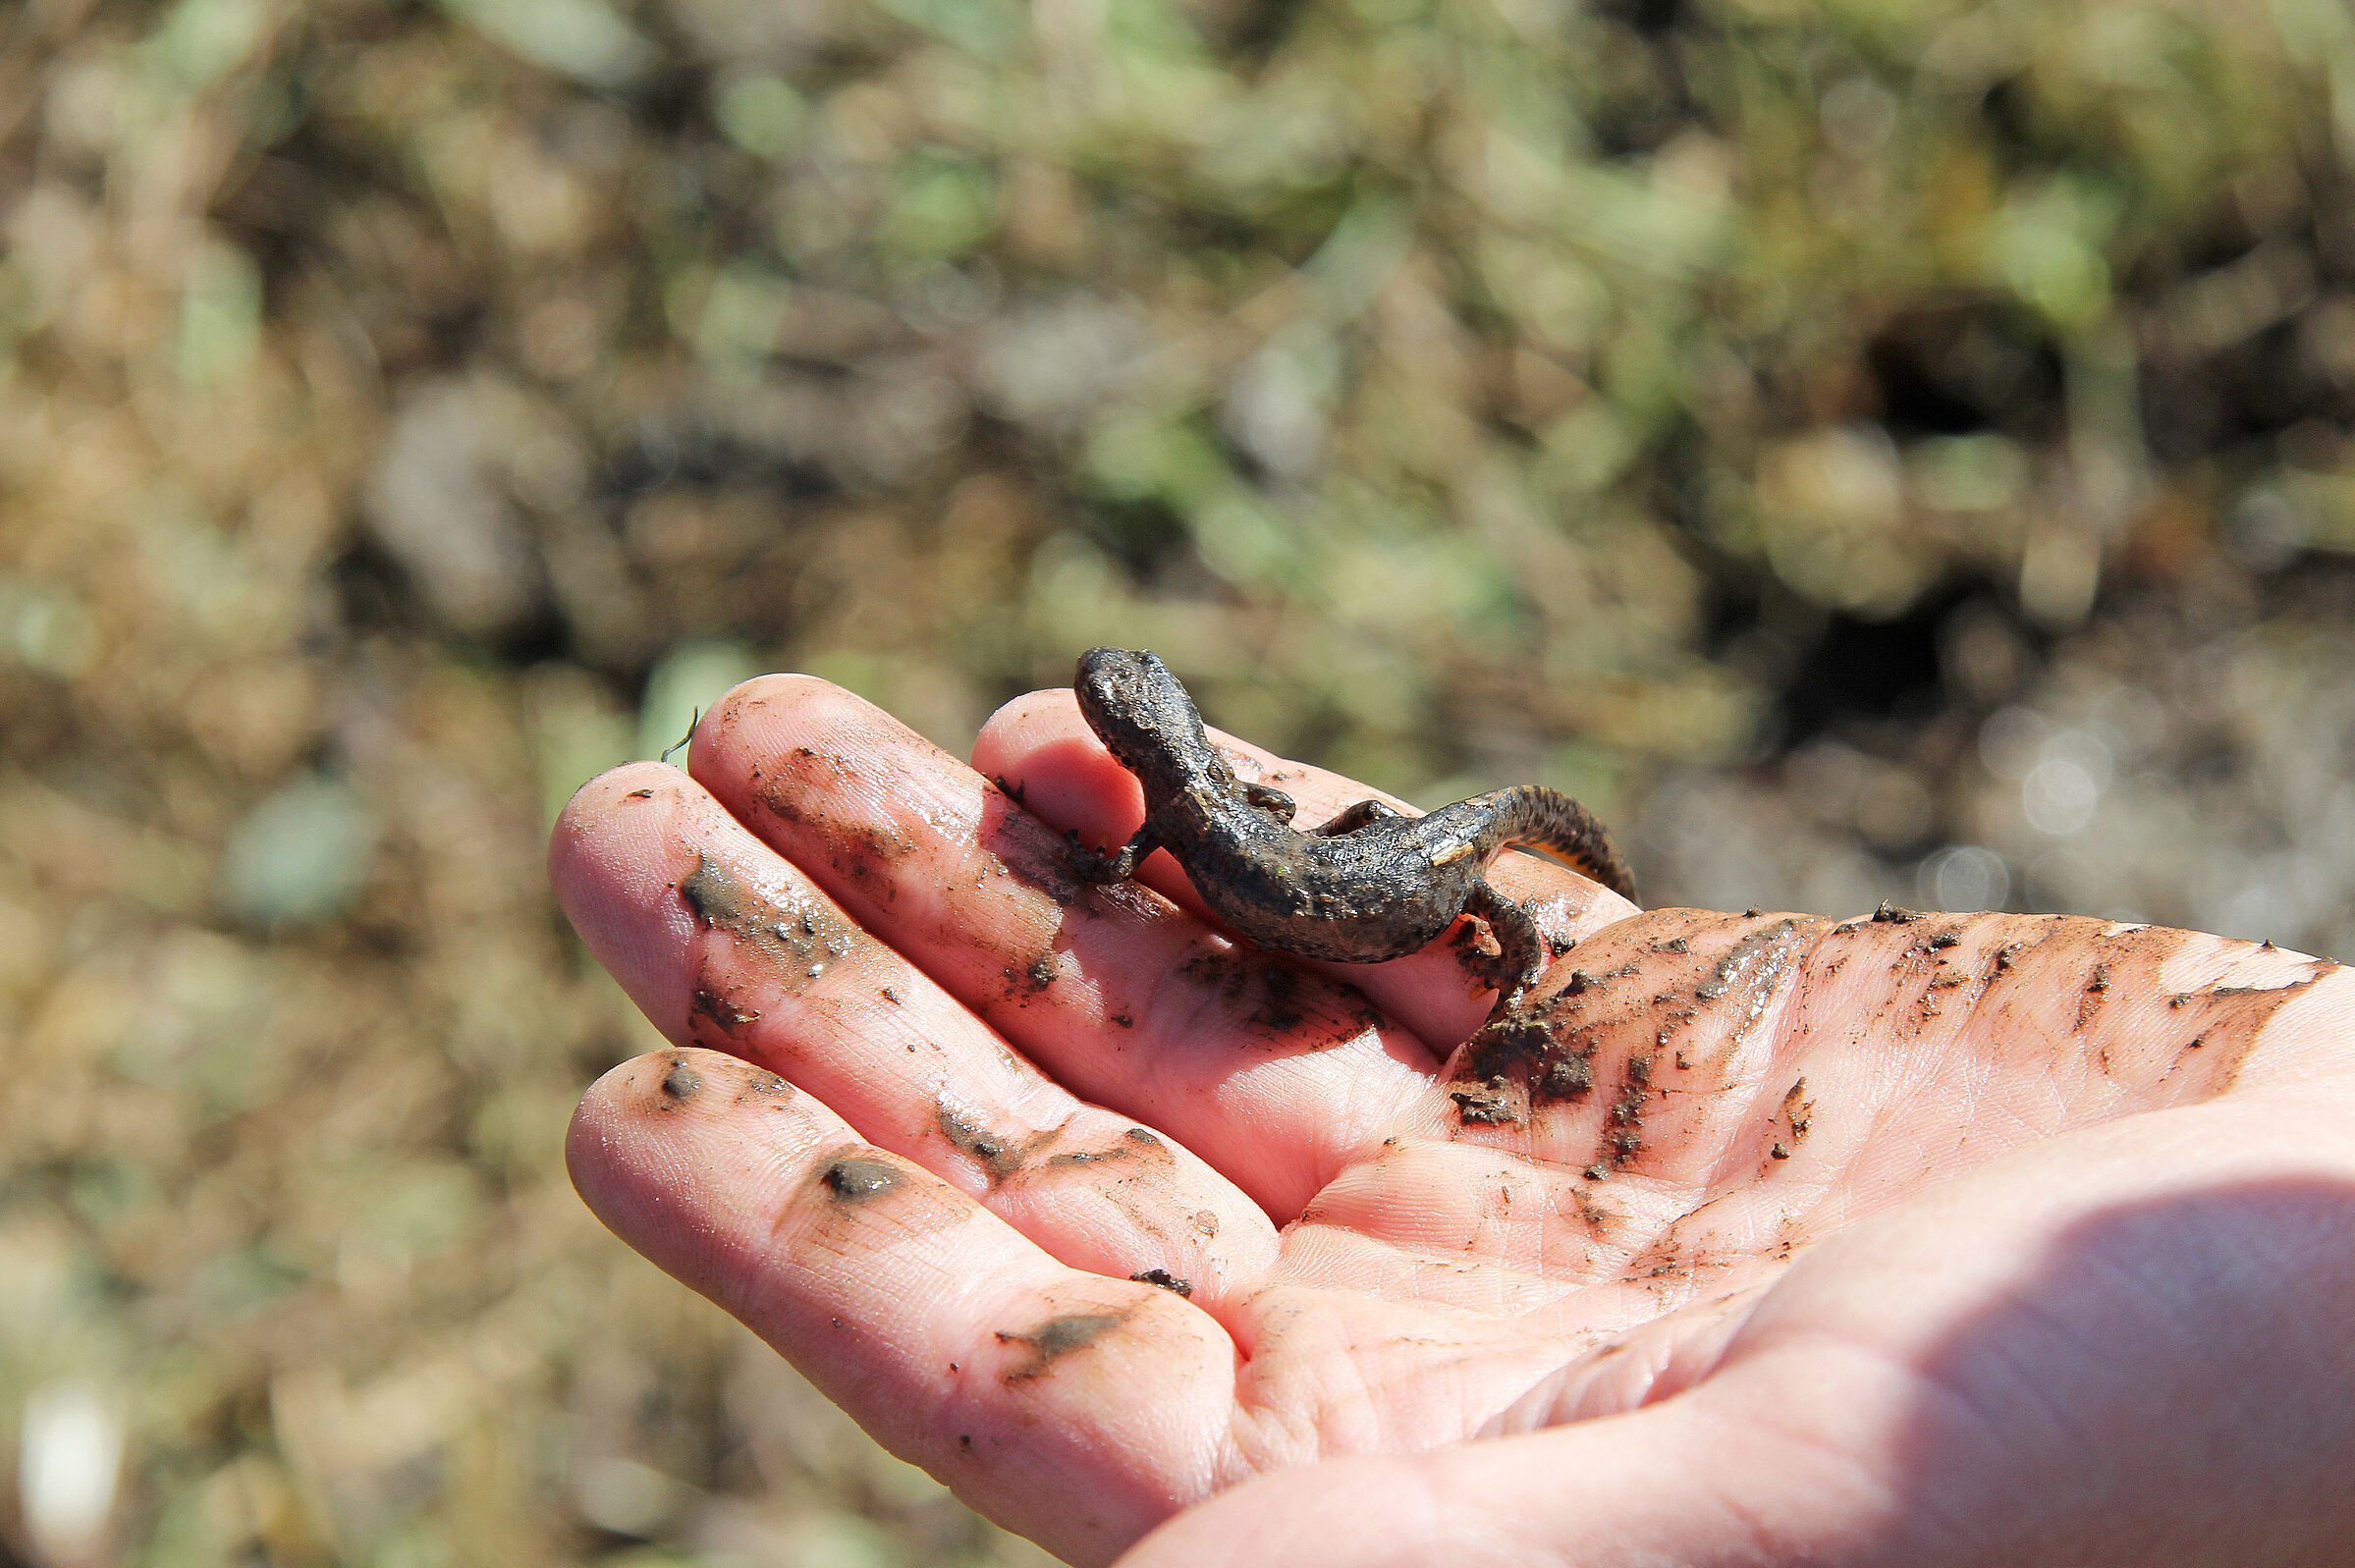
(1370, 885)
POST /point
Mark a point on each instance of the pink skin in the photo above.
(1972, 1239)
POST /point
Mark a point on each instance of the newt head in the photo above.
(1145, 719)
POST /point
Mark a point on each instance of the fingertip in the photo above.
(1032, 724)
(1051, 709)
(641, 1143)
(600, 1149)
(609, 1126)
(1041, 751)
(617, 853)
(758, 701)
(610, 803)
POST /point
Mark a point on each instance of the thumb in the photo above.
(1677, 1483)
(2163, 1382)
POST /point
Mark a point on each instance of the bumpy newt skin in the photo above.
(1370, 885)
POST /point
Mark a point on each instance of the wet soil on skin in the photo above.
(1489, 1104)
(1002, 1158)
(683, 1082)
(1030, 851)
(1286, 1007)
(1798, 1112)
(1057, 1338)
(795, 777)
(1028, 982)
(2227, 1020)
(807, 930)
(801, 940)
(1135, 1144)
(1549, 1046)
(851, 1179)
(2059, 985)
(1985, 983)
(722, 1010)
(1181, 1288)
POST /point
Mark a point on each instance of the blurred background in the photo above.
(1867, 449)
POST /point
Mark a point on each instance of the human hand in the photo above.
(1958, 1239)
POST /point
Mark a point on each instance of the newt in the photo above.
(1370, 885)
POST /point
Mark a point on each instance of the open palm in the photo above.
(1916, 1239)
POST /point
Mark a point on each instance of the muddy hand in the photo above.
(1952, 1239)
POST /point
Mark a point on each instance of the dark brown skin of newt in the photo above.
(1370, 885)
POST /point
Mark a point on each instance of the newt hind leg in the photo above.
(1521, 950)
(1110, 865)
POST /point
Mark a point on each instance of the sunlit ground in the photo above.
(1865, 451)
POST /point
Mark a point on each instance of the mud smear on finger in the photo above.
(798, 940)
(999, 1158)
(1141, 1199)
(1004, 1158)
(1489, 1103)
(1799, 1116)
(850, 1178)
(1014, 895)
(1056, 1338)
(2223, 1024)
(687, 1082)
(805, 930)
(1273, 1002)
(1029, 850)
(843, 808)
(721, 1010)
(803, 787)
(944, 862)
(852, 1194)
(1136, 1145)
(1184, 1289)
(680, 1084)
